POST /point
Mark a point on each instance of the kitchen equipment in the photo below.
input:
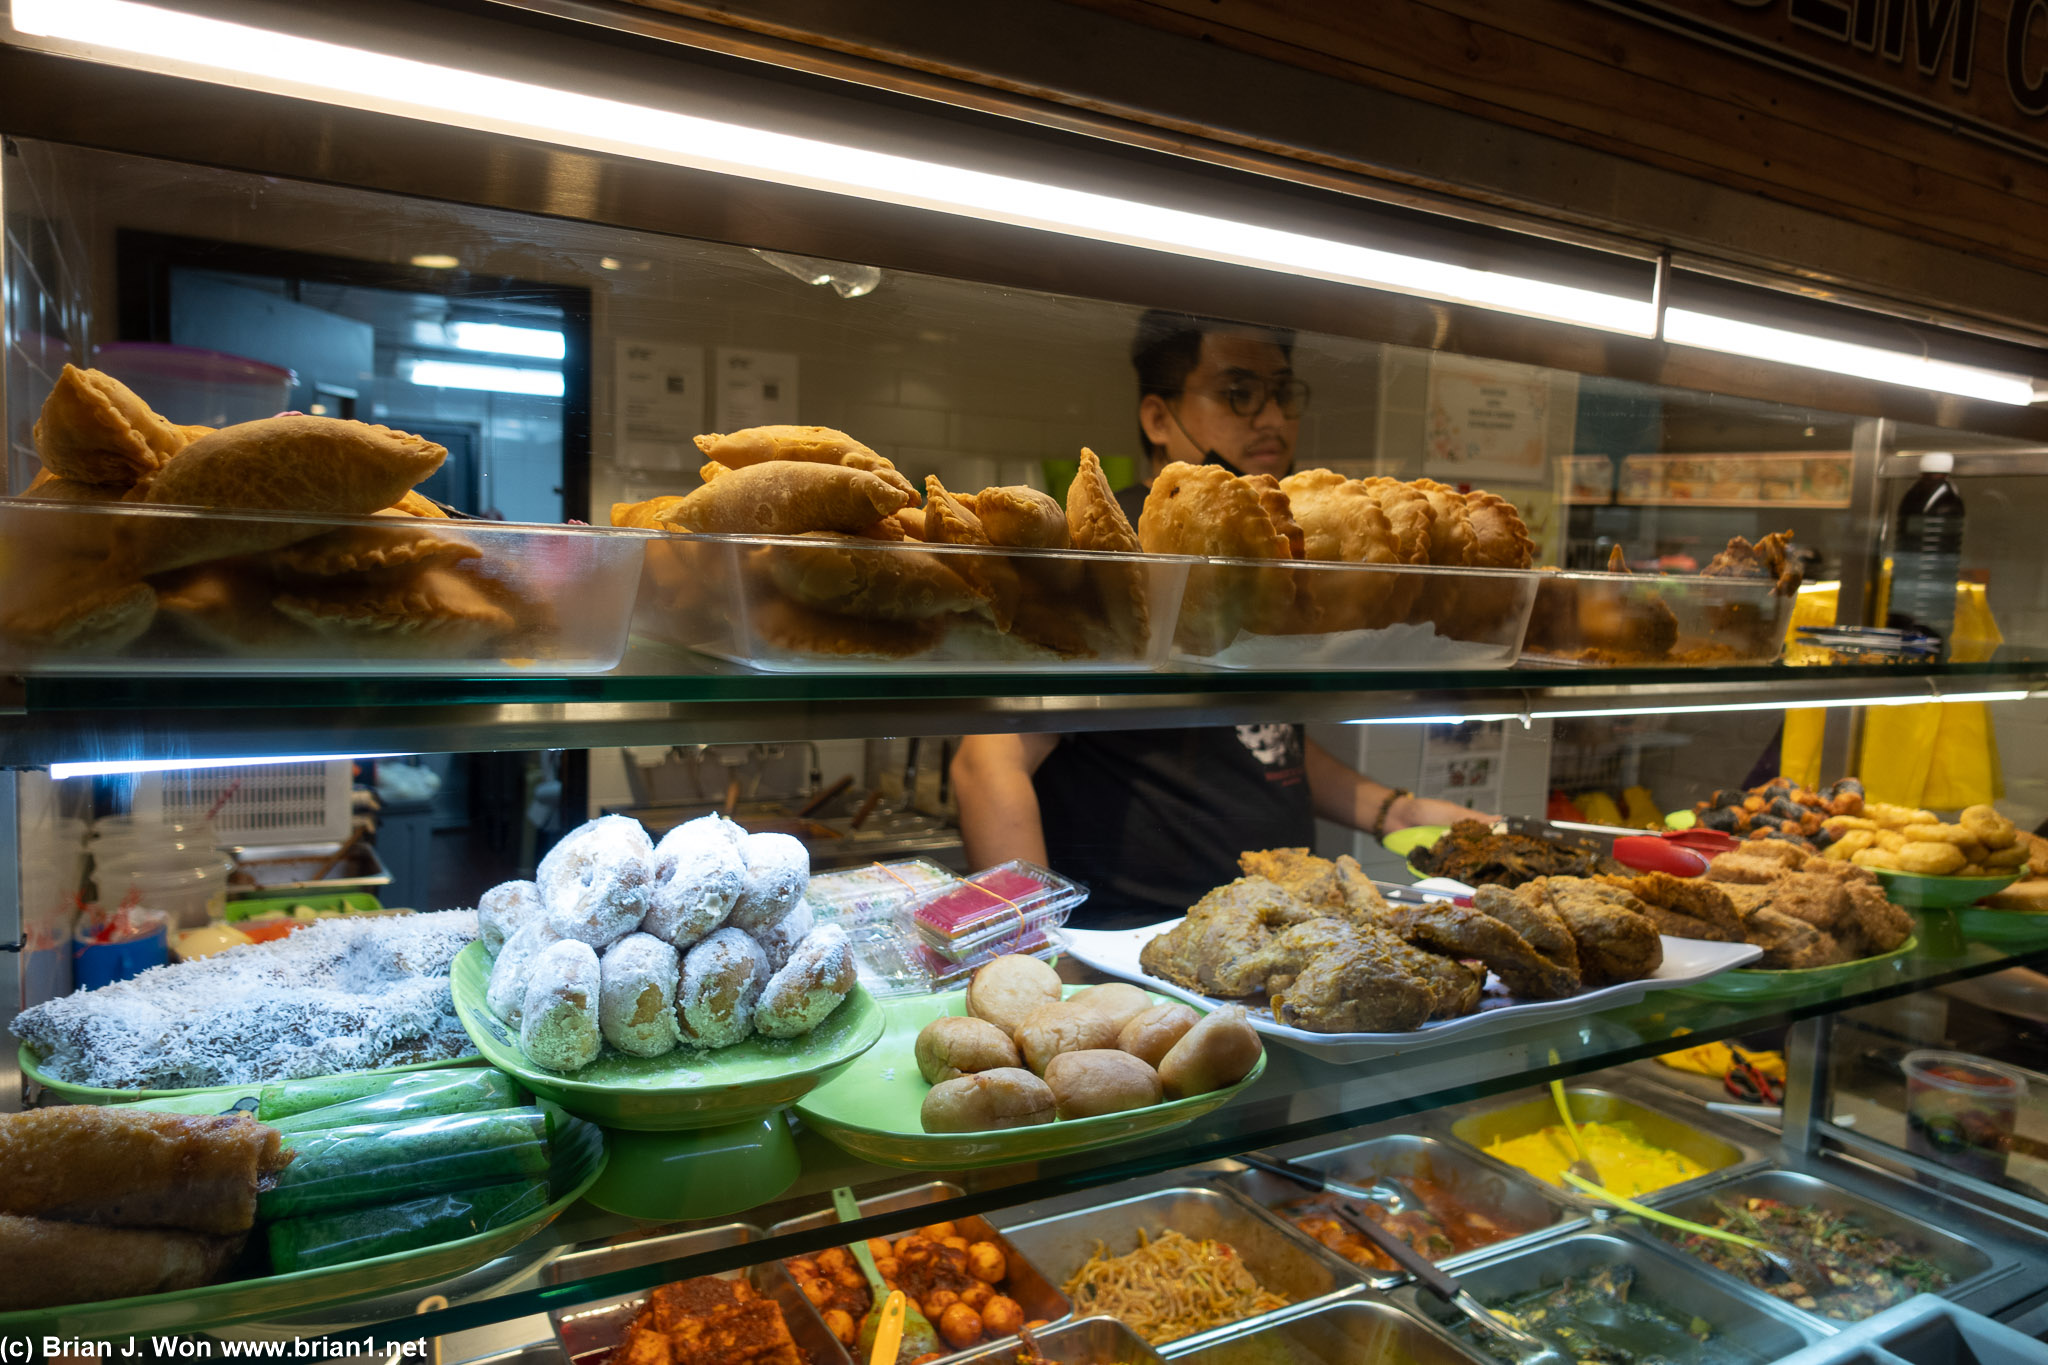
(1387, 1191)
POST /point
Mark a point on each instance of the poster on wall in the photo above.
(1464, 763)
(755, 388)
(1485, 422)
(659, 388)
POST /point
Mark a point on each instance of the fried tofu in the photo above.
(1822, 902)
(1745, 868)
(708, 1321)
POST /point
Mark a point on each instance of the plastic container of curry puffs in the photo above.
(1320, 615)
(1607, 620)
(828, 603)
(108, 587)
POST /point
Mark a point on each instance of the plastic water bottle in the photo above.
(1927, 551)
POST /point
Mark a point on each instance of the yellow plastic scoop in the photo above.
(889, 1332)
(1580, 1167)
(1791, 1268)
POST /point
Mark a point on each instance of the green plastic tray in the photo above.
(872, 1109)
(32, 1067)
(1917, 892)
(579, 1159)
(1748, 983)
(1402, 842)
(686, 1088)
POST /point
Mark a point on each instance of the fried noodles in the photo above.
(1171, 1287)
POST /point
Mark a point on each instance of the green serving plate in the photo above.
(1748, 983)
(871, 1110)
(686, 1088)
(1403, 842)
(230, 1095)
(321, 903)
(1917, 892)
(579, 1159)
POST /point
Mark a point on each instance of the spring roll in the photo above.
(136, 1167)
(356, 1234)
(382, 1163)
(45, 1263)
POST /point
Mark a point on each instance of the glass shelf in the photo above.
(1299, 1097)
(659, 696)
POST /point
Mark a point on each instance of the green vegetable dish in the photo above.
(1596, 1320)
(1867, 1272)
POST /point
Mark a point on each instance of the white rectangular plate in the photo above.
(1686, 961)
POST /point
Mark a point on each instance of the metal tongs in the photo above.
(1524, 1348)
(1389, 1192)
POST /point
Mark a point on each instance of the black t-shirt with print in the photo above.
(1152, 820)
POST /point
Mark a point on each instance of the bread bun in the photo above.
(1221, 1049)
(1007, 991)
(1151, 1033)
(1117, 1001)
(1006, 1097)
(1100, 1081)
(1063, 1026)
(954, 1046)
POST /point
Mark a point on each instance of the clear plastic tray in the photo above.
(1606, 620)
(1316, 615)
(797, 604)
(1005, 904)
(83, 589)
(863, 895)
(946, 974)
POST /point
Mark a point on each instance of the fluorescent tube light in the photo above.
(1713, 333)
(164, 765)
(236, 54)
(496, 337)
(456, 374)
(1657, 708)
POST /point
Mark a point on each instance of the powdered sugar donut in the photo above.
(636, 1006)
(596, 881)
(818, 975)
(779, 939)
(513, 970)
(722, 978)
(558, 1020)
(502, 909)
(698, 876)
(778, 870)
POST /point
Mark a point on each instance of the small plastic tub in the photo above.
(95, 964)
(1962, 1111)
(1606, 620)
(1009, 903)
(862, 895)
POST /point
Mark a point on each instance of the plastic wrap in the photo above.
(357, 1234)
(863, 895)
(286, 1098)
(380, 1163)
(455, 1092)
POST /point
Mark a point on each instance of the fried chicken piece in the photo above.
(1286, 955)
(1680, 925)
(1354, 978)
(1691, 898)
(1617, 941)
(1822, 902)
(1881, 925)
(1311, 880)
(1842, 870)
(1361, 898)
(1468, 932)
(1532, 918)
(1748, 898)
(1787, 942)
(1777, 851)
(1746, 867)
(1223, 926)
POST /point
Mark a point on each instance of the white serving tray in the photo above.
(1686, 961)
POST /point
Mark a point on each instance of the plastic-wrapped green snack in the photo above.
(454, 1092)
(383, 1163)
(295, 1097)
(357, 1234)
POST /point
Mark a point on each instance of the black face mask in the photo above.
(1208, 456)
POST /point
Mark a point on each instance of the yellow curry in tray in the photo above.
(1629, 1164)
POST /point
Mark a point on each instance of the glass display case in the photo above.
(1560, 547)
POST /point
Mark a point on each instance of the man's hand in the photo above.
(998, 805)
(1427, 810)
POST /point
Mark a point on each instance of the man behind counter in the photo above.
(1152, 820)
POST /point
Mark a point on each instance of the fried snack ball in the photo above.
(1842, 824)
(960, 1325)
(955, 1243)
(1002, 1316)
(819, 1292)
(1928, 858)
(841, 1325)
(976, 1296)
(1890, 816)
(1890, 840)
(1935, 832)
(888, 1267)
(1876, 857)
(1152, 1032)
(937, 1302)
(986, 1262)
(2004, 859)
(878, 1247)
(1007, 1097)
(1220, 1050)
(1117, 1000)
(929, 1358)
(1850, 844)
(1991, 829)
(955, 1046)
(1064, 1026)
(1006, 991)
(939, 1232)
(1098, 1081)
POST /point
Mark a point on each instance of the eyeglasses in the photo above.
(1248, 397)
